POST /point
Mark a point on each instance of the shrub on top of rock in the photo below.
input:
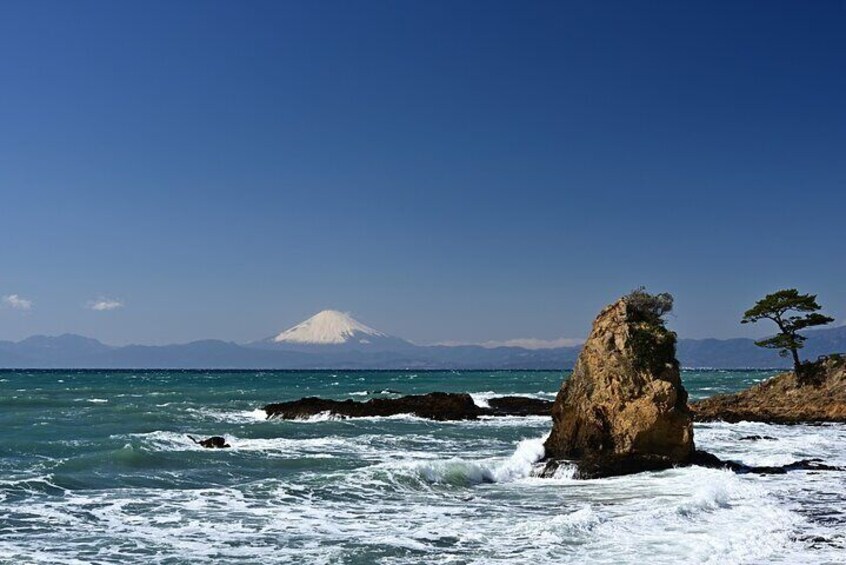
(649, 308)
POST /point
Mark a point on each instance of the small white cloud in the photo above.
(17, 302)
(104, 304)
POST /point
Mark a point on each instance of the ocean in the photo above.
(96, 467)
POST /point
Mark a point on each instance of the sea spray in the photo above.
(464, 472)
(397, 490)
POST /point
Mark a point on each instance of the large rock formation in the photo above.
(624, 408)
(819, 397)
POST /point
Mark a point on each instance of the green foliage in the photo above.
(652, 343)
(791, 312)
(650, 308)
(653, 347)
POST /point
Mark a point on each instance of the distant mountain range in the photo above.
(334, 340)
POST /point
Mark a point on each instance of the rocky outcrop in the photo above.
(214, 442)
(519, 406)
(820, 396)
(624, 408)
(705, 459)
(434, 406)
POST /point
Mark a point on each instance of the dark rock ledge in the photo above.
(440, 406)
(598, 467)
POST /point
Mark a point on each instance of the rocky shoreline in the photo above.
(779, 400)
(818, 398)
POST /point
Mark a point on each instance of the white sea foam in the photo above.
(272, 447)
(459, 471)
(405, 490)
(482, 399)
(235, 417)
(325, 416)
(519, 465)
(790, 444)
(692, 515)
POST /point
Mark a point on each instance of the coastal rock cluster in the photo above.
(624, 408)
(820, 396)
(434, 406)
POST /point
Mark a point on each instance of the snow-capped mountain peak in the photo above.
(328, 327)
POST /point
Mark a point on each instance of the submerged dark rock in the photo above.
(605, 466)
(705, 459)
(624, 409)
(757, 438)
(213, 442)
(784, 399)
(434, 406)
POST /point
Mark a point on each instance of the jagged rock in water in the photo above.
(623, 409)
(705, 459)
(519, 406)
(214, 442)
(434, 406)
(819, 397)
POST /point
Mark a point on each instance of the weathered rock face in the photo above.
(821, 397)
(624, 408)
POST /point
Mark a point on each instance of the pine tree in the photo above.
(791, 312)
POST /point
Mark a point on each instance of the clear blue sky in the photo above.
(443, 170)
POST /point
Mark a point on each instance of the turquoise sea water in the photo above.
(96, 467)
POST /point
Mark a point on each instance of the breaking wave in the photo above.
(463, 472)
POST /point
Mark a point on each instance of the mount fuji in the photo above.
(329, 326)
(331, 330)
